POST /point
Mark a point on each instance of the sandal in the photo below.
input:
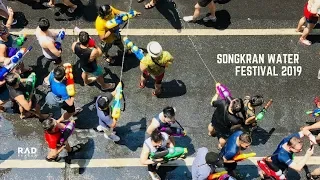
(110, 60)
(149, 5)
(75, 148)
(46, 4)
(57, 159)
(305, 42)
(142, 85)
(111, 86)
(72, 9)
(77, 111)
(156, 94)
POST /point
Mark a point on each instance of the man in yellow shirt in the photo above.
(107, 36)
(154, 63)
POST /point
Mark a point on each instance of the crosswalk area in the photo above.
(256, 28)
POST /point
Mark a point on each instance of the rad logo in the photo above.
(27, 152)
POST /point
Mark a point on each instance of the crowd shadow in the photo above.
(82, 157)
(132, 138)
(180, 172)
(261, 136)
(222, 23)
(88, 118)
(169, 11)
(21, 20)
(222, 1)
(173, 88)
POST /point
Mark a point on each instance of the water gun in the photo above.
(271, 170)
(91, 43)
(59, 39)
(70, 81)
(260, 115)
(314, 113)
(135, 49)
(241, 157)
(223, 91)
(30, 85)
(17, 43)
(67, 131)
(120, 19)
(169, 154)
(216, 175)
(14, 62)
(173, 131)
(116, 106)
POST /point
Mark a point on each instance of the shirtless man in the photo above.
(311, 16)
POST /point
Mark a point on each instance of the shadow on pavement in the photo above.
(181, 172)
(260, 136)
(223, 20)
(6, 155)
(88, 118)
(132, 134)
(5, 171)
(173, 88)
(222, 1)
(185, 142)
(168, 10)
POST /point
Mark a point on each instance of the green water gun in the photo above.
(169, 154)
(20, 40)
(261, 114)
(30, 85)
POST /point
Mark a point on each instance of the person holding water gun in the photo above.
(154, 63)
(236, 142)
(282, 158)
(109, 37)
(58, 96)
(106, 122)
(224, 117)
(164, 120)
(158, 141)
(88, 61)
(205, 163)
(17, 91)
(8, 43)
(52, 134)
(250, 103)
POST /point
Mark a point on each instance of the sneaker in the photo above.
(154, 175)
(100, 128)
(188, 18)
(112, 137)
(305, 42)
(208, 18)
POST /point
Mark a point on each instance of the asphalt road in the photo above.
(188, 85)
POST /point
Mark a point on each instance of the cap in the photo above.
(154, 49)
(213, 158)
(104, 101)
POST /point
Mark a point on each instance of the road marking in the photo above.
(186, 32)
(119, 162)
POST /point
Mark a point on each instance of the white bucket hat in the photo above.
(154, 49)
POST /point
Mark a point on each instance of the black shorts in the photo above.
(221, 131)
(56, 61)
(204, 3)
(230, 166)
(69, 109)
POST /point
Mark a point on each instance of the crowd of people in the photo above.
(232, 122)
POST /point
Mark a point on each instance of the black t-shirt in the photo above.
(84, 56)
(16, 92)
(222, 116)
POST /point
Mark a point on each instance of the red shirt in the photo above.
(52, 139)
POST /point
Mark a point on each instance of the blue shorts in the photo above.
(4, 95)
(97, 72)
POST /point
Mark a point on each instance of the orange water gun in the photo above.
(70, 81)
(216, 175)
(242, 157)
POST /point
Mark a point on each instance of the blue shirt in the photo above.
(230, 150)
(200, 170)
(282, 158)
(58, 88)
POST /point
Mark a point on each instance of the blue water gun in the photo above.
(314, 113)
(116, 105)
(59, 39)
(135, 49)
(14, 62)
(120, 19)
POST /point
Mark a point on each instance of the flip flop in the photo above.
(111, 86)
(156, 94)
(57, 159)
(142, 85)
(149, 6)
(46, 4)
(110, 60)
(78, 111)
(75, 148)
